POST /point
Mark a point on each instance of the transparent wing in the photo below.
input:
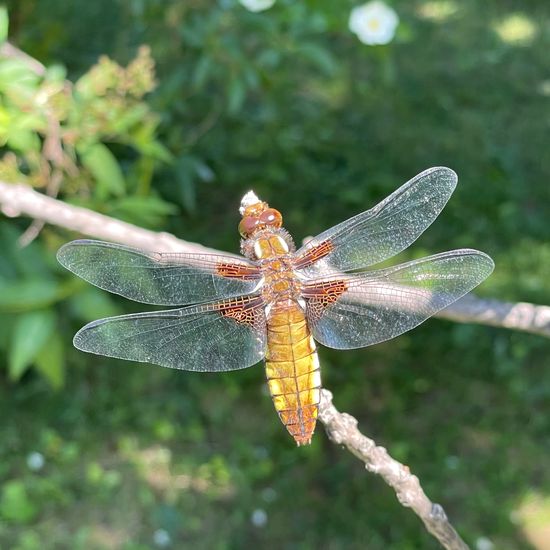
(221, 336)
(159, 279)
(353, 311)
(381, 232)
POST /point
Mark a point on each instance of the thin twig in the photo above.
(28, 236)
(20, 199)
(32, 232)
(203, 128)
(54, 159)
(342, 429)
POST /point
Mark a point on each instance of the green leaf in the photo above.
(18, 296)
(15, 503)
(56, 73)
(236, 96)
(99, 160)
(202, 71)
(50, 361)
(186, 173)
(93, 303)
(5, 321)
(23, 141)
(32, 262)
(128, 118)
(155, 150)
(17, 78)
(4, 23)
(147, 211)
(30, 334)
(320, 56)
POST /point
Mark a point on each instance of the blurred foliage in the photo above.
(52, 130)
(58, 137)
(289, 102)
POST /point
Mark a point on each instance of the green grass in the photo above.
(131, 449)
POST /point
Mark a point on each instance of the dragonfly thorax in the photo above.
(280, 281)
(267, 243)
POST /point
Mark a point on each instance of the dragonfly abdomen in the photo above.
(292, 369)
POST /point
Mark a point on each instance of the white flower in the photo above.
(259, 518)
(162, 538)
(374, 23)
(257, 5)
(35, 461)
(483, 543)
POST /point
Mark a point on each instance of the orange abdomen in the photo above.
(292, 369)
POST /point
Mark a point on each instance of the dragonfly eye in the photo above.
(270, 216)
(247, 225)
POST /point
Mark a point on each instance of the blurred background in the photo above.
(163, 113)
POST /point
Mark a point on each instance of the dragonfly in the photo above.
(274, 302)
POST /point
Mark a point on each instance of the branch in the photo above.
(20, 199)
(518, 316)
(342, 429)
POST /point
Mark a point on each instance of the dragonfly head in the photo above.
(257, 215)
